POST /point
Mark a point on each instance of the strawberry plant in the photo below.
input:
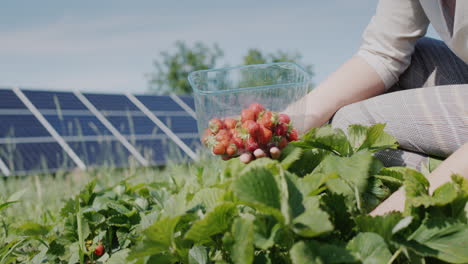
(310, 205)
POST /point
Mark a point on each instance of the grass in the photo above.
(42, 196)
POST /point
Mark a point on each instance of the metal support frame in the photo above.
(4, 168)
(111, 128)
(184, 106)
(49, 128)
(162, 126)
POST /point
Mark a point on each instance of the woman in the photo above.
(393, 59)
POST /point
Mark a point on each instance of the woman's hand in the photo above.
(456, 163)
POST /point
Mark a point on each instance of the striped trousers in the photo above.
(427, 110)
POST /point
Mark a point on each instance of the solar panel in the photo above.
(9, 100)
(180, 124)
(26, 146)
(110, 102)
(77, 125)
(54, 100)
(104, 153)
(35, 158)
(189, 100)
(159, 103)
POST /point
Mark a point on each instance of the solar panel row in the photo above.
(112, 131)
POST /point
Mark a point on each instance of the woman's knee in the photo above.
(350, 115)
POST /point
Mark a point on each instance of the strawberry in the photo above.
(226, 158)
(257, 109)
(231, 149)
(237, 140)
(230, 123)
(265, 135)
(247, 114)
(284, 118)
(293, 135)
(251, 144)
(283, 143)
(219, 149)
(223, 134)
(281, 129)
(99, 251)
(215, 125)
(268, 119)
(251, 127)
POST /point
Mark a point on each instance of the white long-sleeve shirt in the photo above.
(391, 35)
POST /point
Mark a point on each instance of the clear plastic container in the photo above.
(224, 92)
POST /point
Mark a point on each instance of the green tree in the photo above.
(172, 69)
(255, 56)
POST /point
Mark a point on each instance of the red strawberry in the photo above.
(226, 157)
(281, 129)
(268, 119)
(247, 114)
(257, 109)
(230, 123)
(219, 149)
(293, 135)
(231, 149)
(251, 127)
(99, 251)
(251, 144)
(283, 143)
(237, 140)
(284, 118)
(215, 125)
(223, 134)
(265, 135)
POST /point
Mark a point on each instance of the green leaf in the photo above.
(86, 193)
(242, 251)
(369, 248)
(381, 225)
(352, 171)
(198, 255)
(357, 134)
(449, 238)
(326, 138)
(34, 229)
(258, 188)
(118, 220)
(434, 163)
(377, 139)
(157, 239)
(208, 198)
(119, 257)
(289, 155)
(214, 222)
(308, 161)
(313, 221)
(302, 253)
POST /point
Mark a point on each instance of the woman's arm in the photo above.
(354, 81)
(456, 163)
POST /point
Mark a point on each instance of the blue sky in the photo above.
(109, 45)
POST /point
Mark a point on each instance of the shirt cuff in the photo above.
(376, 63)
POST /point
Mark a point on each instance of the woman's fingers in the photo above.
(259, 153)
(275, 153)
(246, 157)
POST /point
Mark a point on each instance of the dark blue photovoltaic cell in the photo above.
(192, 143)
(110, 102)
(21, 126)
(82, 125)
(9, 100)
(55, 100)
(189, 100)
(180, 124)
(21, 158)
(153, 150)
(106, 153)
(134, 125)
(159, 103)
